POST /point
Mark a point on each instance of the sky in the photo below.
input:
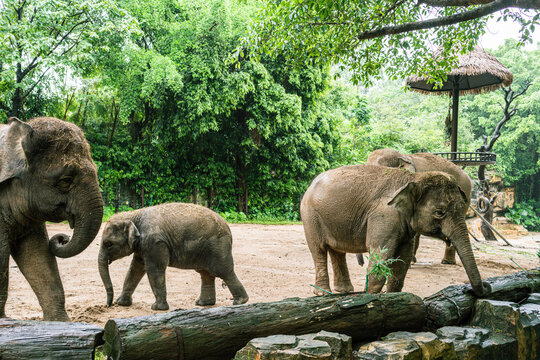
(497, 32)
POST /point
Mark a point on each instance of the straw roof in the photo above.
(478, 72)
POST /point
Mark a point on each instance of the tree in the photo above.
(372, 37)
(42, 40)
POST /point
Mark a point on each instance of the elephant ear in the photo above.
(404, 199)
(17, 147)
(134, 236)
(406, 162)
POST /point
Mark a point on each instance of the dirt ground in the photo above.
(272, 261)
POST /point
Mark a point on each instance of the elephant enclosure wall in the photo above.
(273, 262)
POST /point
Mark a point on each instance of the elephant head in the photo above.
(48, 163)
(435, 206)
(391, 158)
(118, 240)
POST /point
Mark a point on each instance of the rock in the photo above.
(321, 346)
(397, 349)
(467, 341)
(501, 317)
(340, 344)
(529, 331)
(432, 347)
(533, 299)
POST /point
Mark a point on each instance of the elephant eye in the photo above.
(108, 244)
(439, 213)
(65, 181)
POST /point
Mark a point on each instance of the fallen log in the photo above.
(48, 340)
(218, 333)
(453, 305)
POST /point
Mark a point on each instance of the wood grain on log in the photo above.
(453, 305)
(218, 333)
(48, 340)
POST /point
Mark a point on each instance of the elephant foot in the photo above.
(413, 261)
(448, 262)
(62, 316)
(124, 301)
(343, 289)
(319, 291)
(206, 302)
(160, 306)
(240, 300)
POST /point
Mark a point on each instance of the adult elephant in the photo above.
(46, 174)
(364, 207)
(422, 162)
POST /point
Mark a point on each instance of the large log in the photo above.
(453, 305)
(48, 340)
(218, 333)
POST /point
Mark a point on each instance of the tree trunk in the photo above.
(454, 304)
(218, 333)
(48, 339)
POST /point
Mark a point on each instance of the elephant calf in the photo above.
(184, 236)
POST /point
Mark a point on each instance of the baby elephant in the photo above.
(184, 236)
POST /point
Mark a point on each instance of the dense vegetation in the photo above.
(172, 115)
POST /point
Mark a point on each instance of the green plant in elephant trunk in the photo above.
(184, 236)
(422, 162)
(46, 174)
(355, 209)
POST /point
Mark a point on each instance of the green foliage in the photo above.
(109, 211)
(321, 32)
(526, 213)
(380, 267)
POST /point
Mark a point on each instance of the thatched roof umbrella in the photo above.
(477, 72)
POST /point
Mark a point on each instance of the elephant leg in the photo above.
(135, 273)
(40, 269)
(156, 262)
(4, 275)
(317, 247)
(342, 281)
(449, 255)
(399, 268)
(208, 289)
(238, 292)
(416, 245)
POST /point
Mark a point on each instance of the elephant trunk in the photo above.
(460, 239)
(86, 219)
(103, 266)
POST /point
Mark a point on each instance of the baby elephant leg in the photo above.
(135, 273)
(156, 262)
(238, 292)
(342, 281)
(208, 289)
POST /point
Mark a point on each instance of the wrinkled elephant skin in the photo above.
(184, 236)
(46, 174)
(422, 162)
(355, 209)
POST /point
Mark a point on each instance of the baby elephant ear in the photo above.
(13, 160)
(403, 199)
(134, 236)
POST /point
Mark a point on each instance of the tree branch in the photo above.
(475, 13)
(523, 4)
(29, 91)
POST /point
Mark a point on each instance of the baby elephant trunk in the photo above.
(103, 266)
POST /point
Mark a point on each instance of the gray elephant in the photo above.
(360, 208)
(422, 162)
(184, 236)
(46, 174)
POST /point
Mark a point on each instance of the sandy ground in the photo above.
(272, 261)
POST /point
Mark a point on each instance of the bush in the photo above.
(108, 211)
(526, 214)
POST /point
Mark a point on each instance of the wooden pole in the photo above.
(218, 333)
(28, 340)
(455, 106)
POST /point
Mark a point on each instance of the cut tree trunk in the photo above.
(453, 305)
(48, 340)
(218, 333)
